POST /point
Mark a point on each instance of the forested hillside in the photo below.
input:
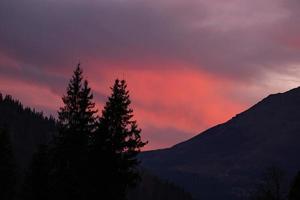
(27, 128)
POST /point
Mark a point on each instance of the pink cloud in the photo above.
(184, 100)
(170, 105)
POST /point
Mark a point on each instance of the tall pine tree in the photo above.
(77, 122)
(118, 142)
(7, 167)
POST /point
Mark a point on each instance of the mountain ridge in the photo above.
(237, 115)
(229, 155)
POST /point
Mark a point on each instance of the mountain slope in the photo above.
(224, 161)
(26, 127)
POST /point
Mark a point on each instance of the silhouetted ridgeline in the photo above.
(224, 162)
(27, 128)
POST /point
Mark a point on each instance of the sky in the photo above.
(189, 64)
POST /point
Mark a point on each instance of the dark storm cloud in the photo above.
(233, 37)
(51, 32)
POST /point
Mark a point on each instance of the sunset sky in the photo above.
(189, 64)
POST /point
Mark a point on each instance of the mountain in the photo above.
(225, 161)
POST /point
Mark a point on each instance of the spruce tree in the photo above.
(7, 167)
(76, 117)
(119, 141)
(76, 124)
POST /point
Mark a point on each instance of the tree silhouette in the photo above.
(117, 142)
(7, 167)
(76, 124)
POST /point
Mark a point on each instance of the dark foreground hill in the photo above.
(153, 188)
(226, 160)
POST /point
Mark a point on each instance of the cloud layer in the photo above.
(189, 64)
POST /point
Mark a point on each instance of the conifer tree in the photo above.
(119, 141)
(77, 122)
(7, 167)
(76, 117)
